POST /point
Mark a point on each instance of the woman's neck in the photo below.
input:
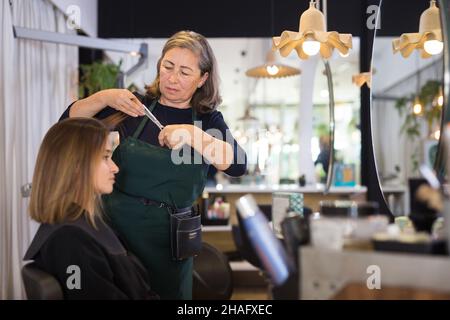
(178, 105)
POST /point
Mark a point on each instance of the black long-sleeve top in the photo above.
(106, 270)
(169, 115)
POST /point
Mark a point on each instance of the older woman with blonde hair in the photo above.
(73, 169)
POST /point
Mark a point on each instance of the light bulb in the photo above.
(324, 93)
(272, 70)
(344, 55)
(440, 100)
(417, 108)
(433, 47)
(437, 134)
(311, 47)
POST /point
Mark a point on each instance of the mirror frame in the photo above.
(440, 163)
(330, 173)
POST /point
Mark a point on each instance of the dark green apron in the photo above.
(147, 172)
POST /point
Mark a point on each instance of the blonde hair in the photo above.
(64, 171)
(206, 98)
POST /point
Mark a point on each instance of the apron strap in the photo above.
(141, 126)
(194, 115)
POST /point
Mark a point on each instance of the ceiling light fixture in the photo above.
(440, 98)
(312, 37)
(362, 78)
(417, 107)
(344, 55)
(429, 39)
(272, 69)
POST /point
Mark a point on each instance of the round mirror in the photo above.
(407, 96)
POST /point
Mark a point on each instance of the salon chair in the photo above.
(40, 285)
(212, 275)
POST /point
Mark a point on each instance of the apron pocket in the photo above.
(185, 235)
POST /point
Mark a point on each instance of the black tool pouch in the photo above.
(185, 233)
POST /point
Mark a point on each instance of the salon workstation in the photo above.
(277, 150)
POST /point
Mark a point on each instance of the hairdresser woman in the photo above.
(185, 90)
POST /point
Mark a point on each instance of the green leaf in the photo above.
(98, 76)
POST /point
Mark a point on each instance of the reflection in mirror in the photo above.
(407, 102)
(347, 139)
(320, 141)
(287, 118)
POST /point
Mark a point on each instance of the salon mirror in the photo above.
(407, 99)
(336, 109)
(284, 123)
(323, 125)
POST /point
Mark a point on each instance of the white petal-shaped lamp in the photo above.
(428, 40)
(361, 78)
(312, 37)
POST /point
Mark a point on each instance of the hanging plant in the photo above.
(431, 110)
(431, 114)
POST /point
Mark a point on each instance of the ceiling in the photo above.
(249, 18)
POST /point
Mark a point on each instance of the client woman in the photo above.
(73, 243)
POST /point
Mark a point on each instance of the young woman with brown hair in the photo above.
(73, 169)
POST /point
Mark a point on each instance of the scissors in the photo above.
(150, 115)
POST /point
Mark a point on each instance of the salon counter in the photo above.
(263, 193)
(319, 188)
(222, 237)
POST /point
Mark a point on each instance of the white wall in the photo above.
(88, 10)
(237, 89)
(391, 68)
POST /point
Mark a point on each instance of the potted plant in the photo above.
(98, 76)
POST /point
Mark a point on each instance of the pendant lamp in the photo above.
(417, 106)
(363, 78)
(312, 37)
(429, 39)
(247, 117)
(272, 69)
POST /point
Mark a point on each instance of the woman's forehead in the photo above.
(182, 57)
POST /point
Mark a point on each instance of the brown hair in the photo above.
(64, 171)
(206, 98)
